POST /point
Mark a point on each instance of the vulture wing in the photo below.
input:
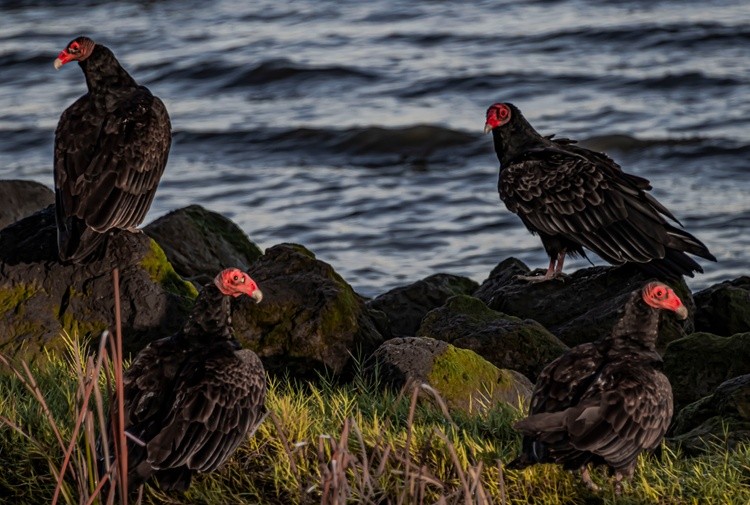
(218, 402)
(107, 168)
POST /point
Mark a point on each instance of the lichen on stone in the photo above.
(13, 297)
(462, 377)
(160, 270)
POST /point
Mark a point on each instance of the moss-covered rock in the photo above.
(505, 341)
(405, 306)
(19, 199)
(199, 243)
(723, 418)
(724, 309)
(464, 379)
(310, 318)
(583, 307)
(41, 297)
(698, 363)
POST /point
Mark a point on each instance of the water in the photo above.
(354, 128)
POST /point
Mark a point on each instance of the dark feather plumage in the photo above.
(603, 402)
(191, 398)
(111, 147)
(577, 199)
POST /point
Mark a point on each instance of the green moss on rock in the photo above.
(505, 341)
(160, 270)
(460, 375)
(13, 297)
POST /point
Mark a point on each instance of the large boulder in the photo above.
(698, 363)
(19, 199)
(581, 308)
(462, 378)
(723, 418)
(310, 319)
(405, 306)
(503, 340)
(40, 298)
(199, 243)
(724, 309)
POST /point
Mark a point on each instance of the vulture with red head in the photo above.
(604, 402)
(575, 198)
(191, 399)
(111, 147)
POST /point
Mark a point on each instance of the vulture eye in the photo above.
(236, 278)
(74, 47)
(659, 293)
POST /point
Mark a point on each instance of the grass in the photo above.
(331, 444)
(322, 443)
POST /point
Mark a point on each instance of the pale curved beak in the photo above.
(487, 128)
(682, 312)
(257, 295)
(58, 63)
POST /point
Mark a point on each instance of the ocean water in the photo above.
(355, 128)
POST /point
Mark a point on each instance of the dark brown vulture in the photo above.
(575, 198)
(111, 147)
(604, 402)
(192, 398)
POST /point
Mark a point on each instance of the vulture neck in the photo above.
(211, 316)
(638, 328)
(515, 138)
(103, 72)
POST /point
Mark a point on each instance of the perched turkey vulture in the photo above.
(574, 198)
(111, 147)
(604, 402)
(192, 398)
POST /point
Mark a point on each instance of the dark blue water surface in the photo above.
(354, 128)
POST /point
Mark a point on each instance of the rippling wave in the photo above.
(281, 111)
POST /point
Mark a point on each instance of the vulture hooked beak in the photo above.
(488, 127)
(257, 295)
(682, 312)
(62, 58)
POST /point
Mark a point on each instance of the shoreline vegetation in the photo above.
(330, 443)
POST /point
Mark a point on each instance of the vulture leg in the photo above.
(554, 270)
(586, 478)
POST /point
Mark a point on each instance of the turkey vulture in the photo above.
(604, 402)
(192, 398)
(574, 198)
(111, 147)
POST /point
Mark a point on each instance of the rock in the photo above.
(583, 307)
(505, 341)
(40, 297)
(405, 306)
(462, 378)
(722, 418)
(310, 318)
(698, 363)
(199, 243)
(724, 309)
(19, 199)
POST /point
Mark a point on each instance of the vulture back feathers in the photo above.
(604, 402)
(577, 199)
(191, 399)
(111, 147)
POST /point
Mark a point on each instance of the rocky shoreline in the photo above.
(477, 344)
